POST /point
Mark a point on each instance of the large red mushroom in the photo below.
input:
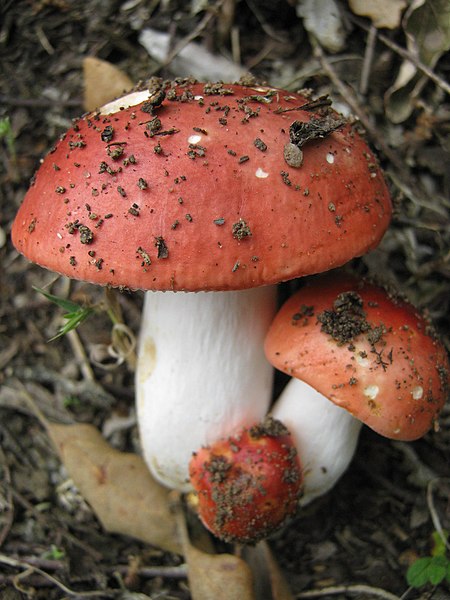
(222, 190)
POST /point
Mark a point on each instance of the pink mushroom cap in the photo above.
(365, 350)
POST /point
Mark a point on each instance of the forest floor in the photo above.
(381, 516)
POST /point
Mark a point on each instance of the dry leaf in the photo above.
(279, 586)
(266, 573)
(102, 82)
(383, 13)
(427, 28)
(218, 576)
(192, 60)
(322, 19)
(117, 485)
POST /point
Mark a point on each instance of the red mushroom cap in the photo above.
(367, 351)
(190, 187)
(249, 483)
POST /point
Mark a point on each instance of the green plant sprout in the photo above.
(54, 553)
(71, 401)
(122, 338)
(74, 315)
(432, 569)
(7, 134)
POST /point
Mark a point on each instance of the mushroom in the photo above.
(189, 187)
(249, 483)
(356, 355)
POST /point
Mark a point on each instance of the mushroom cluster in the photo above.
(222, 190)
(357, 355)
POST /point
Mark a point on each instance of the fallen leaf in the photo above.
(266, 573)
(102, 82)
(280, 588)
(218, 576)
(192, 60)
(382, 13)
(117, 485)
(322, 19)
(427, 28)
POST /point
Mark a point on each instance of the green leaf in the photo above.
(438, 569)
(75, 316)
(439, 548)
(6, 133)
(73, 320)
(61, 302)
(429, 569)
(54, 553)
(417, 574)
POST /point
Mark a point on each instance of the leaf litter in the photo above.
(414, 253)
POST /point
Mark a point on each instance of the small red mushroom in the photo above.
(365, 350)
(248, 484)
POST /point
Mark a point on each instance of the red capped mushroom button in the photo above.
(249, 484)
(365, 350)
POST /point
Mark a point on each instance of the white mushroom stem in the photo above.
(201, 373)
(324, 434)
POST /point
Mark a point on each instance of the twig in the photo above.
(433, 512)
(367, 62)
(9, 519)
(123, 339)
(236, 45)
(210, 14)
(28, 568)
(252, 62)
(346, 92)
(36, 411)
(366, 590)
(40, 517)
(39, 102)
(225, 21)
(420, 474)
(265, 26)
(80, 355)
(166, 572)
(179, 572)
(406, 55)
(87, 391)
(42, 37)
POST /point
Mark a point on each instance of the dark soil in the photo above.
(376, 521)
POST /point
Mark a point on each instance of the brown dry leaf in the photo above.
(266, 573)
(383, 13)
(426, 24)
(218, 576)
(102, 82)
(280, 588)
(117, 485)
